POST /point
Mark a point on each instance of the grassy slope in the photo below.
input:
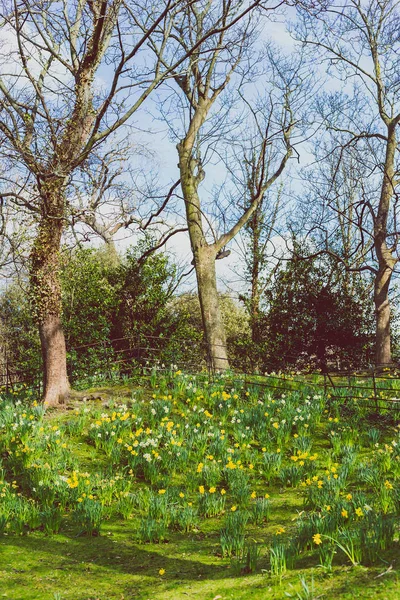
(113, 566)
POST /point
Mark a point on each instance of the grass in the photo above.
(72, 565)
(114, 567)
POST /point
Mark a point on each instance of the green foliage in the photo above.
(176, 468)
(104, 300)
(278, 560)
(89, 303)
(156, 333)
(121, 314)
(313, 312)
(232, 535)
(19, 335)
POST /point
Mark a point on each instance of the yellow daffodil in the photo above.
(317, 539)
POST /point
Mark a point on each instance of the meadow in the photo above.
(184, 487)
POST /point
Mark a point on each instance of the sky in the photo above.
(229, 270)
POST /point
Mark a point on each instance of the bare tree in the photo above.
(119, 194)
(331, 207)
(358, 41)
(15, 228)
(201, 98)
(247, 168)
(256, 253)
(72, 74)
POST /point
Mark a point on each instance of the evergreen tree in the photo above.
(313, 319)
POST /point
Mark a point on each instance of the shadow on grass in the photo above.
(113, 553)
(108, 567)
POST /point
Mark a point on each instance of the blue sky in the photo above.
(229, 269)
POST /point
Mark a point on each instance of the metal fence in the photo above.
(374, 391)
(128, 357)
(110, 359)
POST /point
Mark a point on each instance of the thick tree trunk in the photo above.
(386, 260)
(45, 293)
(204, 260)
(55, 378)
(383, 354)
(211, 313)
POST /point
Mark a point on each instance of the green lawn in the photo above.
(112, 566)
(120, 467)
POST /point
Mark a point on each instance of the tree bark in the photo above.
(383, 355)
(255, 275)
(214, 329)
(386, 259)
(55, 378)
(204, 258)
(45, 294)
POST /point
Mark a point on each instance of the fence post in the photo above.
(7, 373)
(210, 362)
(375, 396)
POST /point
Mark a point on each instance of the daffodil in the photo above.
(317, 539)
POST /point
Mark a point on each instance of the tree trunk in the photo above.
(386, 260)
(210, 310)
(383, 354)
(254, 229)
(55, 379)
(204, 260)
(45, 294)
(255, 303)
(321, 356)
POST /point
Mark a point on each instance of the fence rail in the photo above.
(128, 356)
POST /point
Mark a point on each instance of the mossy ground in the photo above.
(114, 566)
